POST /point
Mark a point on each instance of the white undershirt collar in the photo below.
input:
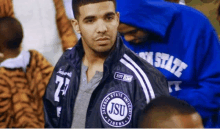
(21, 61)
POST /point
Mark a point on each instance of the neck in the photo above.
(93, 59)
(94, 63)
(8, 53)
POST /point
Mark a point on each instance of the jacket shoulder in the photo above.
(67, 55)
(143, 64)
(149, 78)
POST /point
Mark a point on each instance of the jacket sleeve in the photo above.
(206, 99)
(156, 87)
(5, 111)
(38, 73)
(50, 108)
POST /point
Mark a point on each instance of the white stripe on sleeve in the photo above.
(139, 78)
(143, 74)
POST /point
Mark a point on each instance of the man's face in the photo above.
(132, 34)
(97, 24)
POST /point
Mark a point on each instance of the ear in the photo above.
(118, 17)
(1, 55)
(75, 25)
(1, 52)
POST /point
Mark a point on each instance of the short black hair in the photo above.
(11, 33)
(77, 3)
(167, 106)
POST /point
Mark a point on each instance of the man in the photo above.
(23, 79)
(180, 42)
(99, 83)
(169, 112)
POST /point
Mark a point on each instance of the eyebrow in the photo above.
(88, 18)
(109, 14)
(93, 17)
(129, 32)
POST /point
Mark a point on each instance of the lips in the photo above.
(102, 38)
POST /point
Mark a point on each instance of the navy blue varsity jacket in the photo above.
(129, 83)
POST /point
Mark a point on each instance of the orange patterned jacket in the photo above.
(21, 93)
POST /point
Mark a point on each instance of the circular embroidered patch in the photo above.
(116, 109)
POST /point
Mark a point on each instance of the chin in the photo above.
(105, 49)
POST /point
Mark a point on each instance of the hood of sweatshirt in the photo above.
(151, 15)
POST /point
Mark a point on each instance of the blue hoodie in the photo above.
(188, 52)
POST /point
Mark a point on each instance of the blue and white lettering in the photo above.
(165, 61)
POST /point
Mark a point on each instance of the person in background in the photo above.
(170, 112)
(99, 83)
(49, 33)
(23, 79)
(180, 42)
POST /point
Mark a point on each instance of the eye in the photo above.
(133, 31)
(89, 21)
(109, 18)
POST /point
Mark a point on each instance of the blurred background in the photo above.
(209, 8)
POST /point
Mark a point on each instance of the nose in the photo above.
(129, 38)
(102, 27)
